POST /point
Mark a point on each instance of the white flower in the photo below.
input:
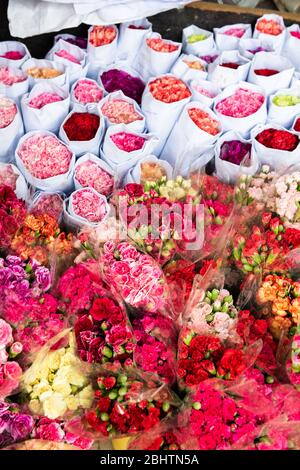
(40, 388)
(72, 402)
(61, 385)
(86, 397)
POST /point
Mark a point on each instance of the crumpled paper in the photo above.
(33, 17)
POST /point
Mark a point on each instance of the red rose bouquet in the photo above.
(12, 215)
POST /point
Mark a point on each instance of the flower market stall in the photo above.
(150, 234)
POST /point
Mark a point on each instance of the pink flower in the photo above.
(66, 55)
(128, 142)
(12, 370)
(45, 156)
(8, 111)
(8, 177)
(50, 432)
(87, 91)
(120, 111)
(9, 77)
(5, 334)
(89, 174)
(43, 99)
(88, 205)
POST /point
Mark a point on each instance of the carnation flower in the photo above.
(204, 121)
(13, 55)
(8, 111)
(81, 126)
(271, 27)
(241, 103)
(120, 112)
(235, 32)
(161, 45)
(86, 91)
(88, 205)
(115, 79)
(102, 35)
(169, 89)
(128, 142)
(44, 156)
(89, 174)
(234, 151)
(43, 72)
(66, 55)
(43, 99)
(9, 78)
(278, 139)
(193, 38)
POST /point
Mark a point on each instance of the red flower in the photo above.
(232, 363)
(103, 308)
(278, 139)
(103, 404)
(81, 126)
(266, 72)
(134, 190)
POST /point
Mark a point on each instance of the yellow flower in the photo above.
(73, 375)
(54, 406)
(40, 388)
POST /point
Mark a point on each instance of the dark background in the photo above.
(169, 24)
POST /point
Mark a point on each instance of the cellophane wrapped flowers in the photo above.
(12, 215)
(129, 403)
(56, 382)
(8, 111)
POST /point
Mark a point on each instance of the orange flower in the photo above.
(278, 325)
(295, 310)
(281, 307)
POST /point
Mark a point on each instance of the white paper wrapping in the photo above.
(229, 172)
(22, 191)
(16, 90)
(250, 44)
(200, 47)
(283, 115)
(186, 73)
(94, 158)
(293, 125)
(9, 137)
(198, 165)
(75, 71)
(43, 63)
(206, 85)
(54, 183)
(73, 99)
(49, 117)
(276, 41)
(135, 126)
(222, 77)
(276, 159)
(241, 125)
(119, 160)
(295, 83)
(134, 174)
(292, 45)
(130, 40)
(160, 116)
(151, 63)
(263, 60)
(7, 46)
(225, 42)
(81, 147)
(65, 37)
(187, 139)
(74, 221)
(103, 55)
(31, 17)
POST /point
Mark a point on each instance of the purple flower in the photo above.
(234, 151)
(5, 440)
(20, 287)
(21, 426)
(5, 420)
(18, 272)
(43, 278)
(5, 277)
(11, 260)
(116, 79)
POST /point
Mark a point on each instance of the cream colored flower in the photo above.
(55, 406)
(35, 407)
(73, 375)
(40, 388)
(72, 402)
(86, 397)
(61, 385)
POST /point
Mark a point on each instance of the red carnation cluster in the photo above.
(202, 357)
(266, 72)
(82, 126)
(278, 139)
(12, 215)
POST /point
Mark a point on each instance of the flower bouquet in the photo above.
(85, 207)
(73, 57)
(102, 44)
(45, 161)
(127, 404)
(10, 370)
(12, 215)
(13, 53)
(13, 82)
(228, 69)
(86, 91)
(11, 127)
(228, 37)
(57, 381)
(156, 338)
(41, 69)
(117, 78)
(48, 203)
(45, 107)
(163, 101)
(137, 278)
(197, 41)
(120, 109)
(90, 171)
